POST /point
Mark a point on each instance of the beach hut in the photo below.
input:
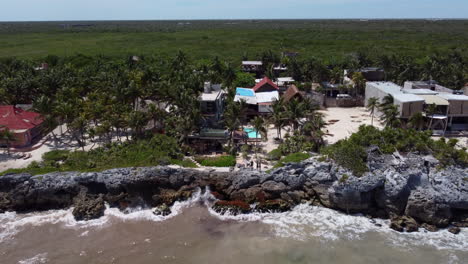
(25, 126)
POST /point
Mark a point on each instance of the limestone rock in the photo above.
(87, 208)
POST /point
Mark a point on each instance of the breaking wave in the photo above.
(303, 223)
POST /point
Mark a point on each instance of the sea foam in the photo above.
(302, 223)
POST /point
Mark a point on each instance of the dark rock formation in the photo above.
(410, 190)
(454, 230)
(404, 223)
(87, 208)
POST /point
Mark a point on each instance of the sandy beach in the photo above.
(343, 122)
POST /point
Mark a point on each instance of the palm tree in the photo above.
(417, 121)
(137, 121)
(79, 126)
(155, 113)
(8, 137)
(390, 116)
(312, 129)
(233, 118)
(372, 105)
(359, 83)
(387, 101)
(278, 115)
(261, 127)
(294, 112)
(431, 111)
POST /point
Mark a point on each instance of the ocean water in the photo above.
(194, 233)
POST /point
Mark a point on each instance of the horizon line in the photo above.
(225, 19)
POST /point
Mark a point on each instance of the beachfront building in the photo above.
(450, 111)
(212, 103)
(293, 93)
(259, 98)
(283, 83)
(457, 111)
(429, 85)
(26, 126)
(332, 89)
(408, 104)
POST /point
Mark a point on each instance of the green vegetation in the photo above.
(351, 153)
(221, 161)
(344, 178)
(159, 150)
(292, 158)
(296, 143)
(330, 39)
(275, 154)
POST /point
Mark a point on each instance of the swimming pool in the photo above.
(245, 92)
(251, 133)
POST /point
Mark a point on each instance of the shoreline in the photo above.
(413, 194)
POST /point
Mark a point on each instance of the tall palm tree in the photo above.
(372, 105)
(431, 111)
(387, 101)
(359, 83)
(8, 137)
(261, 127)
(278, 117)
(390, 116)
(294, 112)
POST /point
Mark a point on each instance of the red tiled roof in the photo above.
(265, 80)
(15, 118)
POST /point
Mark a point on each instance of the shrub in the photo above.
(295, 144)
(294, 157)
(351, 154)
(275, 154)
(221, 161)
(159, 150)
(55, 155)
(344, 178)
(186, 163)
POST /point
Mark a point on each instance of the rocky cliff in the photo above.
(410, 190)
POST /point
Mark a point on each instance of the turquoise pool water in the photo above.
(251, 133)
(245, 92)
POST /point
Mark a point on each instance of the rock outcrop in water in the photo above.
(410, 190)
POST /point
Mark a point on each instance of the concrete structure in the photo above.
(331, 89)
(255, 67)
(430, 85)
(25, 126)
(457, 111)
(451, 110)
(212, 103)
(408, 104)
(284, 82)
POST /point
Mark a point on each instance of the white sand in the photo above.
(347, 122)
(64, 142)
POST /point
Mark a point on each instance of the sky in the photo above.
(46, 10)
